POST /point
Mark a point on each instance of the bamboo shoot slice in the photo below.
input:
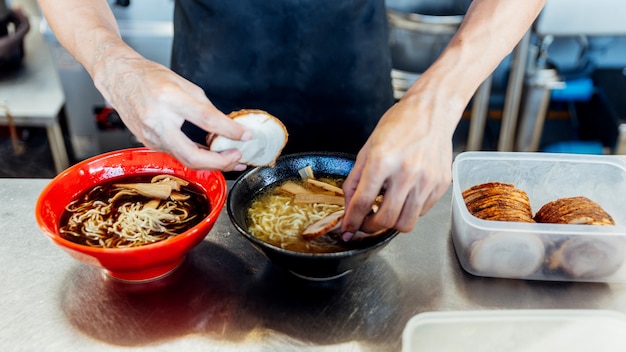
(324, 185)
(319, 198)
(323, 226)
(294, 188)
(151, 190)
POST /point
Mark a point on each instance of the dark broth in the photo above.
(197, 203)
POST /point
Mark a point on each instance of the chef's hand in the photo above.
(409, 154)
(154, 102)
(408, 157)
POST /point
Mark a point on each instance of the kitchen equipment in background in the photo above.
(4, 9)
(419, 30)
(610, 85)
(581, 20)
(33, 96)
(14, 26)
(145, 25)
(536, 99)
(586, 17)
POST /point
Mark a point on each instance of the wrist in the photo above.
(441, 93)
(109, 61)
(457, 72)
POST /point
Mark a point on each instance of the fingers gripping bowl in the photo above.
(132, 263)
(313, 266)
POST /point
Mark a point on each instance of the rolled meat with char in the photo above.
(582, 256)
(498, 201)
(573, 210)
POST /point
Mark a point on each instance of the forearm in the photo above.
(89, 31)
(490, 31)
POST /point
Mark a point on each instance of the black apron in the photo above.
(321, 66)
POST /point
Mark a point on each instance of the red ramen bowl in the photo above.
(135, 264)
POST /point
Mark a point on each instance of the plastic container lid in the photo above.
(516, 330)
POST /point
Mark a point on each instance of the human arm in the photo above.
(152, 100)
(409, 154)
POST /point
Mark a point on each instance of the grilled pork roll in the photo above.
(573, 210)
(588, 257)
(503, 254)
(581, 256)
(498, 201)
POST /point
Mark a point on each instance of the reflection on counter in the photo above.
(216, 295)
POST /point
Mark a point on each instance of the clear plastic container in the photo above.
(516, 331)
(542, 251)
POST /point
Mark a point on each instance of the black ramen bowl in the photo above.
(311, 266)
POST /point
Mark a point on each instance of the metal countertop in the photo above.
(227, 296)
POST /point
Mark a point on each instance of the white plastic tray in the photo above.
(516, 331)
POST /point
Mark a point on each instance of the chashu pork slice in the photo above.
(498, 201)
(332, 224)
(269, 137)
(323, 226)
(574, 210)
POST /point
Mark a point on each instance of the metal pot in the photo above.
(13, 28)
(4, 10)
(420, 30)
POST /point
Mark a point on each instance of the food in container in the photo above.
(505, 254)
(574, 210)
(576, 251)
(498, 201)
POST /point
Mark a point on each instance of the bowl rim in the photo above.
(53, 234)
(388, 235)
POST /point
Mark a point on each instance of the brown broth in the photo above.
(326, 244)
(197, 203)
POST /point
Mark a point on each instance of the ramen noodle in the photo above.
(274, 218)
(136, 211)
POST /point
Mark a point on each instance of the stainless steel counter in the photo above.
(227, 296)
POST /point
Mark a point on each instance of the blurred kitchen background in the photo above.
(563, 89)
